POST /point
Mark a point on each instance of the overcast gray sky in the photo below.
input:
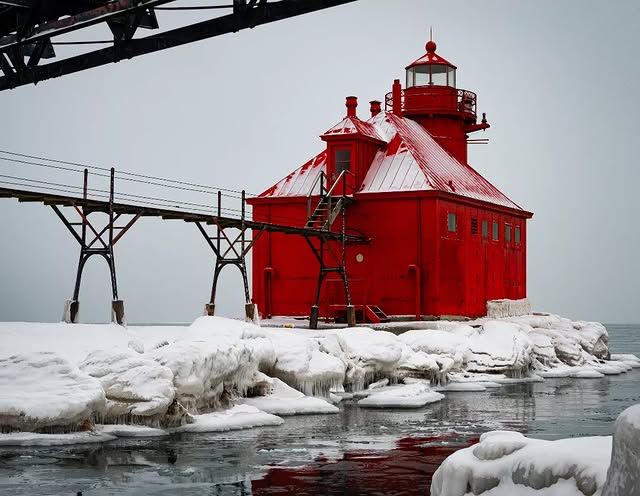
(558, 80)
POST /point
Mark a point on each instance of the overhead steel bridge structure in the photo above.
(30, 30)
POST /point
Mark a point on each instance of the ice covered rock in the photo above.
(134, 384)
(445, 344)
(496, 444)
(370, 354)
(500, 347)
(593, 338)
(419, 364)
(570, 337)
(414, 395)
(375, 350)
(43, 391)
(305, 365)
(543, 349)
(507, 463)
(623, 477)
(208, 373)
(284, 400)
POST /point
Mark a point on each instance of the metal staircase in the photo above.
(331, 204)
(375, 315)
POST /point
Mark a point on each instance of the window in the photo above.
(485, 229)
(495, 235)
(451, 222)
(343, 160)
(474, 226)
(517, 233)
(507, 232)
(431, 74)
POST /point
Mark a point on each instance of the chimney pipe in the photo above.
(352, 104)
(375, 107)
(396, 95)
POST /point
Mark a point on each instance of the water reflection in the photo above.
(357, 451)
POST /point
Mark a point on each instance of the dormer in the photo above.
(351, 146)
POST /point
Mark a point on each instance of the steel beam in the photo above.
(251, 15)
(27, 4)
(79, 21)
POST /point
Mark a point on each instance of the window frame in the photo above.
(485, 229)
(517, 235)
(338, 165)
(507, 232)
(452, 217)
(495, 231)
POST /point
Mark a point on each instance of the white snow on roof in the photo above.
(411, 160)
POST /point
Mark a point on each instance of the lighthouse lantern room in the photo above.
(441, 240)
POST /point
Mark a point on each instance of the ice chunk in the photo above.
(236, 418)
(122, 430)
(43, 390)
(623, 477)
(436, 342)
(496, 444)
(302, 364)
(627, 358)
(201, 368)
(375, 350)
(284, 400)
(34, 439)
(508, 308)
(543, 349)
(465, 387)
(413, 395)
(133, 383)
(586, 374)
(506, 464)
(500, 347)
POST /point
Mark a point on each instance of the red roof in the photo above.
(353, 125)
(300, 181)
(431, 57)
(409, 160)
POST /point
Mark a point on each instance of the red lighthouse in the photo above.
(441, 239)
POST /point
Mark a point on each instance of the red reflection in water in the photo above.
(406, 470)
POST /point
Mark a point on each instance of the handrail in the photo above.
(320, 177)
(327, 195)
(343, 176)
(465, 101)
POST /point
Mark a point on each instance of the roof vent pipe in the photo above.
(375, 107)
(352, 105)
(396, 97)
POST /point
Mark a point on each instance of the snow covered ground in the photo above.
(220, 374)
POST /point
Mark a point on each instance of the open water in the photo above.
(357, 451)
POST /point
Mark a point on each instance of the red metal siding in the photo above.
(410, 242)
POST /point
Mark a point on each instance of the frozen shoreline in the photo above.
(61, 378)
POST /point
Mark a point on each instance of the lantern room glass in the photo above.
(431, 75)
